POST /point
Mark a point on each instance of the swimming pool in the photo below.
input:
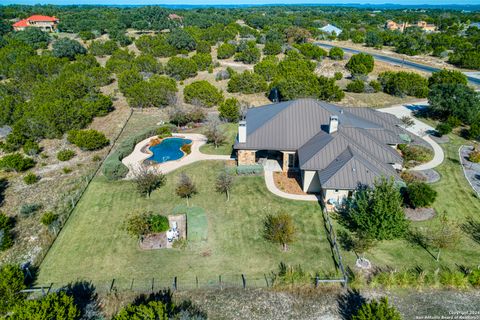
(168, 150)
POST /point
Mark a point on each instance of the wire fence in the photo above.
(187, 283)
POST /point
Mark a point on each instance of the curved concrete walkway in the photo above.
(420, 129)
(273, 189)
(134, 160)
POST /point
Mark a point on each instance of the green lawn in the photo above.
(456, 199)
(230, 130)
(93, 245)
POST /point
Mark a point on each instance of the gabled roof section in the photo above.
(38, 17)
(21, 23)
(284, 126)
(349, 170)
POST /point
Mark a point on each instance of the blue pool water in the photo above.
(168, 150)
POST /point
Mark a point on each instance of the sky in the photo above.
(236, 2)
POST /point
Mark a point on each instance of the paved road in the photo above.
(400, 62)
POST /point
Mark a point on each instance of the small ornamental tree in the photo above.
(87, 139)
(446, 235)
(360, 64)
(420, 195)
(12, 281)
(16, 162)
(376, 213)
(407, 121)
(67, 48)
(378, 310)
(336, 53)
(137, 225)
(147, 181)
(214, 132)
(280, 228)
(224, 183)
(57, 305)
(230, 110)
(226, 50)
(185, 187)
(202, 93)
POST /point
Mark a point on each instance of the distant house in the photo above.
(392, 25)
(329, 28)
(475, 24)
(174, 16)
(45, 23)
(333, 148)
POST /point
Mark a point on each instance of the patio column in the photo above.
(246, 157)
(288, 160)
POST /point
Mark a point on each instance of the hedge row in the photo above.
(249, 170)
(113, 168)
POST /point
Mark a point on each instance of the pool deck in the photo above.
(134, 160)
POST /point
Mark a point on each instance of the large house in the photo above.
(334, 148)
(392, 25)
(329, 28)
(45, 23)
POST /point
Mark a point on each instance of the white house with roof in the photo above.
(329, 28)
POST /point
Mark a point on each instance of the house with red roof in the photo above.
(45, 23)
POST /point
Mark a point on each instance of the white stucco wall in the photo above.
(311, 183)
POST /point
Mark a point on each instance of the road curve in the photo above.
(397, 61)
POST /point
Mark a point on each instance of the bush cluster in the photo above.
(202, 93)
(247, 82)
(416, 154)
(30, 178)
(474, 156)
(356, 86)
(65, 154)
(87, 139)
(16, 162)
(404, 84)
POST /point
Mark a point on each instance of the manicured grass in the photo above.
(455, 198)
(93, 245)
(227, 147)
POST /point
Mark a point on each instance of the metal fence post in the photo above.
(244, 281)
(112, 284)
(316, 281)
(196, 280)
(220, 281)
(266, 280)
(131, 285)
(153, 283)
(175, 283)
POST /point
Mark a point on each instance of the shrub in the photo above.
(147, 63)
(376, 86)
(272, 48)
(158, 223)
(202, 93)
(357, 86)
(249, 170)
(181, 68)
(280, 229)
(443, 128)
(445, 76)
(404, 83)
(154, 310)
(420, 195)
(128, 79)
(338, 76)
(181, 40)
(226, 50)
(164, 131)
(203, 47)
(247, 82)
(31, 148)
(16, 162)
(6, 236)
(474, 156)
(336, 53)
(417, 154)
(147, 181)
(203, 61)
(102, 48)
(57, 305)
(230, 110)
(67, 48)
(187, 148)
(267, 68)
(31, 178)
(65, 154)
(250, 55)
(157, 92)
(87, 139)
(311, 51)
(48, 218)
(377, 310)
(30, 208)
(67, 170)
(360, 64)
(180, 117)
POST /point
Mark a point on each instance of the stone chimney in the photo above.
(333, 125)
(242, 131)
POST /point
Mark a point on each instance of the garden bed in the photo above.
(289, 182)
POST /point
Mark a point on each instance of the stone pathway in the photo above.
(134, 160)
(471, 170)
(420, 129)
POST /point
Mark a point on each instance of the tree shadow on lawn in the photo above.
(417, 238)
(85, 298)
(472, 229)
(349, 303)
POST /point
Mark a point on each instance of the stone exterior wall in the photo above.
(245, 157)
(285, 162)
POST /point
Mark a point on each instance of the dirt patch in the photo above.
(154, 241)
(288, 182)
(419, 214)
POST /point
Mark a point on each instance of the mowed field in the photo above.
(94, 246)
